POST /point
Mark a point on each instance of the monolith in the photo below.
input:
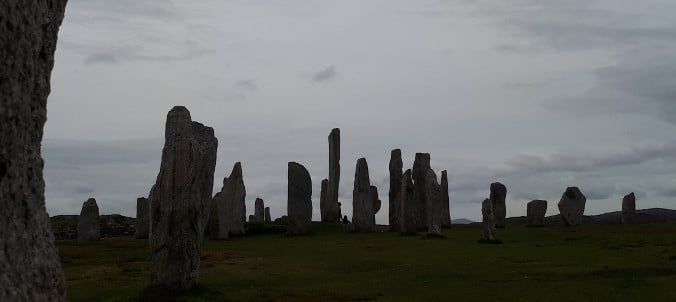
(363, 217)
(396, 173)
(445, 201)
(29, 263)
(322, 198)
(434, 204)
(267, 215)
(497, 197)
(376, 200)
(629, 208)
(409, 223)
(535, 213)
(571, 206)
(88, 221)
(179, 201)
(299, 203)
(142, 223)
(421, 166)
(329, 209)
(228, 208)
(488, 221)
(259, 210)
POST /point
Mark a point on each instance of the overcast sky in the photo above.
(539, 95)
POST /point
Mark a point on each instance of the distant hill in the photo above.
(655, 215)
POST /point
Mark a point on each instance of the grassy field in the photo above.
(586, 263)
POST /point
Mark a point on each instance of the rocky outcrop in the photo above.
(267, 215)
(497, 197)
(421, 166)
(629, 208)
(396, 173)
(29, 263)
(488, 221)
(228, 208)
(363, 217)
(535, 213)
(329, 208)
(259, 210)
(445, 201)
(571, 206)
(179, 201)
(88, 221)
(142, 223)
(434, 204)
(299, 203)
(409, 223)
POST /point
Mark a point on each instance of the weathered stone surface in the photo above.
(488, 220)
(299, 204)
(421, 166)
(571, 206)
(228, 208)
(434, 204)
(29, 264)
(259, 210)
(363, 216)
(88, 221)
(629, 208)
(445, 201)
(409, 223)
(497, 197)
(396, 173)
(329, 209)
(535, 213)
(267, 215)
(142, 222)
(179, 201)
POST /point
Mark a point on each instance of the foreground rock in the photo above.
(259, 210)
(489, 222)
(142, 223)
(299, 203)
(228, 208)
(363, 217)
(535, 213)
(434, 204)
(88, 221)
(409, 223)
(330, 211)
(498, 195)
(571, 206)
(29, 264)
(179, 201)
(396, 166)
(629, 208)
(445, 201)
(421, 167)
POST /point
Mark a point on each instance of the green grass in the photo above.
(586, 263)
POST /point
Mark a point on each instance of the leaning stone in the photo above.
(421, 166)
(299, 204)
(259, 210)
(445, 201)
(179, 201)
(629, 208)
(267, 214)
(329, 209)
(434, 204)
(142, 225)
(489, 222)
(497, 197)
(228, 209)
(571, 206)
(363, 217)
(396, 166)
(535, 213)
(409, 224)
(30, 269)
(88, 222)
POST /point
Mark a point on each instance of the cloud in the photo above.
(246, 85)
(325, 74)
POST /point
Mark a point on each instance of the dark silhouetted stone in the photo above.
(396, 173)
(228, 208)
(629, 208)
(322, 198)
(409, 224)
(535, 213)
(29, 263)
(267, 215)
(299, 204)
(363, 217)
(180, 200)
(445, 201)
(329, 208)
(488, 221)
(421, 166)
(88, 221)
(497, 197)
(434, 204)
(259, 210)
(142, 222)
(571, 206)
(376, 200)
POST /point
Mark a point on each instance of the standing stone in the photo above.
(29, 263)
(488, 221)
(259, 210)
(267, 215)
(228, 208)
(329, 209)
(253, 219)
(497, 197)
(363, 217)
(571, 206)
(299, 203)
(88, 221)
(396, 166)
(376, 200)
(629, 208)
(409, 223)
(434, 204)
(535, 213)
(322, 198)
(421, 166)
(445, 201)
(142, 223)
(179, 201)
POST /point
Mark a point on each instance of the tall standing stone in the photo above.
(571, 206)
(322, 198)
(267, 215)
(179, 201)
(497, 197)
(445, 201)
(421, 167)
(329, 209)
(88, 221)
(488, 218)
(259, 210)
(396, 173)
(434, 204)
(142, 223)
(29, 264)
(228, 207)
(409, 223)
(363, 217)
(629, 208)
(299, 203)
(535, 213)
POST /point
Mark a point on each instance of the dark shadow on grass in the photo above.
(201, 292)
(433, 236)
(488, 241)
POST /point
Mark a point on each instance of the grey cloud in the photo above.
(325, 74)
(113, 56)
(247, 85)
